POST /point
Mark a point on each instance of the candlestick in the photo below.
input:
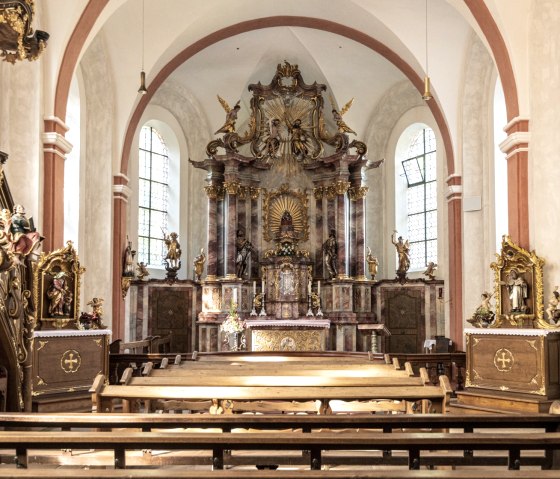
(262, 286)
(254, 288)
(235, 295)
(319, 288)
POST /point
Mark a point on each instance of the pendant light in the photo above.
(427, 95)
(143, 90)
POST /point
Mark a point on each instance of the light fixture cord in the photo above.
(143, 20)
(426, 42)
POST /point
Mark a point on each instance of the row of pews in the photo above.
(273, 384)
(137, 442)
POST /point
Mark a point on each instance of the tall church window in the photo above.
(420, 172)
(153, 195)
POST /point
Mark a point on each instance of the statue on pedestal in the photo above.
(403, 252)
(330, 254)
(517, 288)
(244, 249)
(373, 263)
(552, 311)
(199, 265)
(173, 258)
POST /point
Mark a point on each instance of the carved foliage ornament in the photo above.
(17, 39)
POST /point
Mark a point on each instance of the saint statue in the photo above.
(231, 116)
(552, 310)
(173, 250)
(60, 296)
(517, 288)
(128, 263)
(330, 254)
(372, 262)
(403, 252)
(244, 249)
(199, 265)
(19, 231)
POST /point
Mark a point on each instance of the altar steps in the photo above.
(496, 402)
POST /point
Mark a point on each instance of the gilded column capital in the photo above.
(357, 192)
(232, 187)
(254, 192)
(341, 187)
(214, 191)
(319, 192)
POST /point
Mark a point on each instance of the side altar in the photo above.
(513, 354)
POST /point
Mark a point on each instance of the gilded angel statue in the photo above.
(337, 115)
(231, 116)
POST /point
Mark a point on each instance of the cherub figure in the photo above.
(141, 270)
(337, 115)
(483, 315)
(198, 265)
(272, 144)
(231, 116)
(430, 272)
(552, 311)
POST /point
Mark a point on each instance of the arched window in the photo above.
(419, 166)
(153, 194)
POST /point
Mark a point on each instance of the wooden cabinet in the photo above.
(65, 363)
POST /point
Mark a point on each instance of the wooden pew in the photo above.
(224, 397)
(414, 444)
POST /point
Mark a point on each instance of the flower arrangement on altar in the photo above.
(233, 323)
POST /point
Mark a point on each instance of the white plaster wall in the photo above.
(193, 133)
(20, 133)
(393, 105)
(96, 245)
(544, 197)
(477, 169)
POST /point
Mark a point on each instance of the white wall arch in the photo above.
(419, 115)
(167, 125)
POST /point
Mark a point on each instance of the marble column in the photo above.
(254, 205)
(318, 192)
(232, 190)
(358, 196)
(213, 192)
(341, 187)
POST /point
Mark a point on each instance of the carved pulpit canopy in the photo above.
(518, 284)
(287, 129)
(56, 289)
(17, 39)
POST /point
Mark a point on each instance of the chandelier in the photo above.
(17, 39)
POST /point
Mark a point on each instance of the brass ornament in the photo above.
(504, 360)
(70, 361)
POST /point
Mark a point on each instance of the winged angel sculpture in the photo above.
(286, 129)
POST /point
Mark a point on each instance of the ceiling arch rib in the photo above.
(306, 22)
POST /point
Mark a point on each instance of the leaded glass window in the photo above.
(153, 194)
(421, 198)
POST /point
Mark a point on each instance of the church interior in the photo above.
(328, 218)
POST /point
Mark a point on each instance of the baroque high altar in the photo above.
(286, 221)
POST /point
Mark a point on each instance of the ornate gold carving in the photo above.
(42, 344)
(504, 360)
(62, 263)
(254, 192)
(287, 340)
(70, 361)
(214, 191)
(232, 187)
(357, 192)
(528, 267)
(99, 342)
(41, 381)
(276, 203)
(125, 285)
(319, 192)
(341, 187)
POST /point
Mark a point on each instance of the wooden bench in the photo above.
(224, 398)
(310, 445)
(49, 473)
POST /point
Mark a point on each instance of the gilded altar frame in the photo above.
(63, 263)
(529, 268)
(275, 203)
